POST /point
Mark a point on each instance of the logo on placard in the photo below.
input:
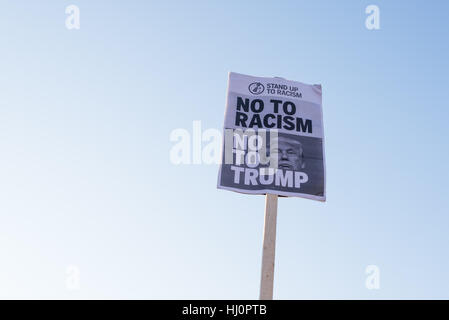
(256, 88)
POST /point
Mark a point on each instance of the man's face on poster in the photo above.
(290, 154)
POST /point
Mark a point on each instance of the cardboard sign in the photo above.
(273, 139)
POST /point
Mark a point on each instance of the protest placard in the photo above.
(273, 139)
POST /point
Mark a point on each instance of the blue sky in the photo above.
(85, 174)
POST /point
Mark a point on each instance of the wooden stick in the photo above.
(269, 246)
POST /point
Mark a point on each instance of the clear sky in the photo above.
(85, 174)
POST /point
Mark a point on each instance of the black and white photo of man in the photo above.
(290, 153)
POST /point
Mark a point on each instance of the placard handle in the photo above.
(269, 246)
